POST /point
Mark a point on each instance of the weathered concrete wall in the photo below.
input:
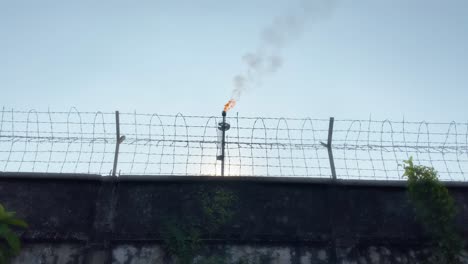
(276, 221)
(40, 253)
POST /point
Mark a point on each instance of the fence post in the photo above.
(332, 195)
(329, 148)
(117, 143)
(223, 127)
(99, 249)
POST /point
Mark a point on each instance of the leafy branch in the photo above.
(10, 244)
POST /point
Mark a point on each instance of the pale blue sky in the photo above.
(386, 58)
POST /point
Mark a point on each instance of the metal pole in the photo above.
(117, 142)
(329, 148)
(332, 194)
(223, 142)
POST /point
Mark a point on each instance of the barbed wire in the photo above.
(156, 144)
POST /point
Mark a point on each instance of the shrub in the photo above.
(435, 210)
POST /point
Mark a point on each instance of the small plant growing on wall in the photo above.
(435, 210)
(181, 235)
(9, 242)
(217, 208)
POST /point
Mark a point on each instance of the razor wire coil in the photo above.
(157, 144)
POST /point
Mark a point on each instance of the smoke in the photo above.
(267, 58)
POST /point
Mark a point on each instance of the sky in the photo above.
(389, 59)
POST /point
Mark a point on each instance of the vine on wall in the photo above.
(181, 234)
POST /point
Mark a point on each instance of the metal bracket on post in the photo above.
(329, 148)
(117, 142)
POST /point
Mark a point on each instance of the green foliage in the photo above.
(435, 210)
(181, 240)
(181, 234)
(217, 208)
(9, 242)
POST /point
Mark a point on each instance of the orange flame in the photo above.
(229, 105)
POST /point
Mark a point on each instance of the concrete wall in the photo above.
(100, 220)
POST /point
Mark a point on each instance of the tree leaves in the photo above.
(11, 239)
(10, 244)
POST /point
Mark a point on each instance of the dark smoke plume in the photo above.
(267, 58)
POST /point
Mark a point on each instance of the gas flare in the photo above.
(229, 105)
